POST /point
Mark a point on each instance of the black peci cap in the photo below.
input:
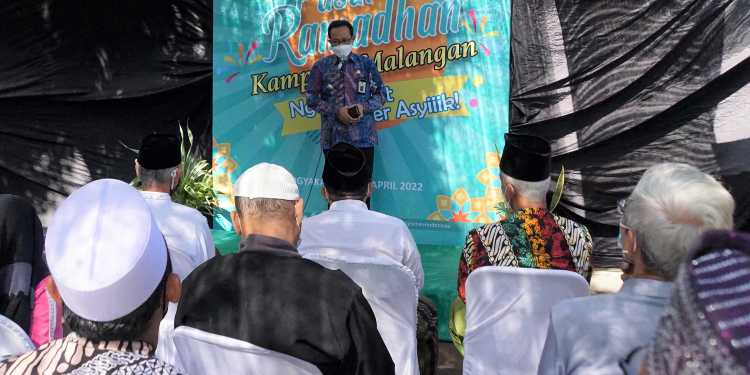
(526, 157)
(345, 168)
(159, 151)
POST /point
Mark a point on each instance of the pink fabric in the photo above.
(46, 318)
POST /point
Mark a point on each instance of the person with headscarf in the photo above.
(706, 328)
(21, 258)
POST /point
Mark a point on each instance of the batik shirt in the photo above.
(333, 84)
(80, 356)
(531, 238)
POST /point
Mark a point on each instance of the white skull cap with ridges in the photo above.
(105, 251)
(266, 180)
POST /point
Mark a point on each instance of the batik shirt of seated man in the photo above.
(529, 238)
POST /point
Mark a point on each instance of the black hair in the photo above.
(341, 23)
(128, 328)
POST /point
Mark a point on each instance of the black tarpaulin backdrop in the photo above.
(619, 86)
(77, 78)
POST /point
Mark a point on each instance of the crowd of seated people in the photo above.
(127, 281)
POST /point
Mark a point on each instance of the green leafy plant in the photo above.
(196, 183)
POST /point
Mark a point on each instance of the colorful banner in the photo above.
(445, 64)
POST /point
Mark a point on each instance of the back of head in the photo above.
(535, 191)
(669, 208)
(345, 174)
(269, 210)
(108, 261)
(526, 164)
(158, 159)
(706, 329)
(267, 196)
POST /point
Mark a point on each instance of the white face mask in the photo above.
(342, 50)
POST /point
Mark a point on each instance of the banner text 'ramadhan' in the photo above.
(407, 22)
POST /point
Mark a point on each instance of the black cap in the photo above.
(526, 157)
(159, 151)
(345, 169)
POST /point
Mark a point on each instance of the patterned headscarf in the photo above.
(706, 330)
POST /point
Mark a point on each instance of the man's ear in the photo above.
(177, 176)
(510, 191)
(236, 222)
(174, 288)
(52, 290)
(630, 235)
(370, 189)
(324, 193)
(299, 210)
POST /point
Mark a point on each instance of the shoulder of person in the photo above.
(188, 212)
(570, 224)
(314, 218)
(571, 311)
(362, 58)
(325, 60)
(387, 219)
(489, 228)
(589, 311)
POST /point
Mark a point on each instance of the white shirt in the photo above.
(590, 335)
(349, 227)
(185, 230)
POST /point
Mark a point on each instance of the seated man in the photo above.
(665, 214)
(271, 297)
(110, 266)
(530, 235)
(185, 229)
(349, 227)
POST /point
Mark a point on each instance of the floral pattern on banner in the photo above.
(461, 207)
(223, 167)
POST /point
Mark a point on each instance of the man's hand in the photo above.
(360, 110)
(343, 116)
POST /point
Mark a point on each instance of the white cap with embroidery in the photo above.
(105, 251)
(266, 180)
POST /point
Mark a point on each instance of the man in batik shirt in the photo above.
(110, 267)
(530, 235)
(345, 89)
